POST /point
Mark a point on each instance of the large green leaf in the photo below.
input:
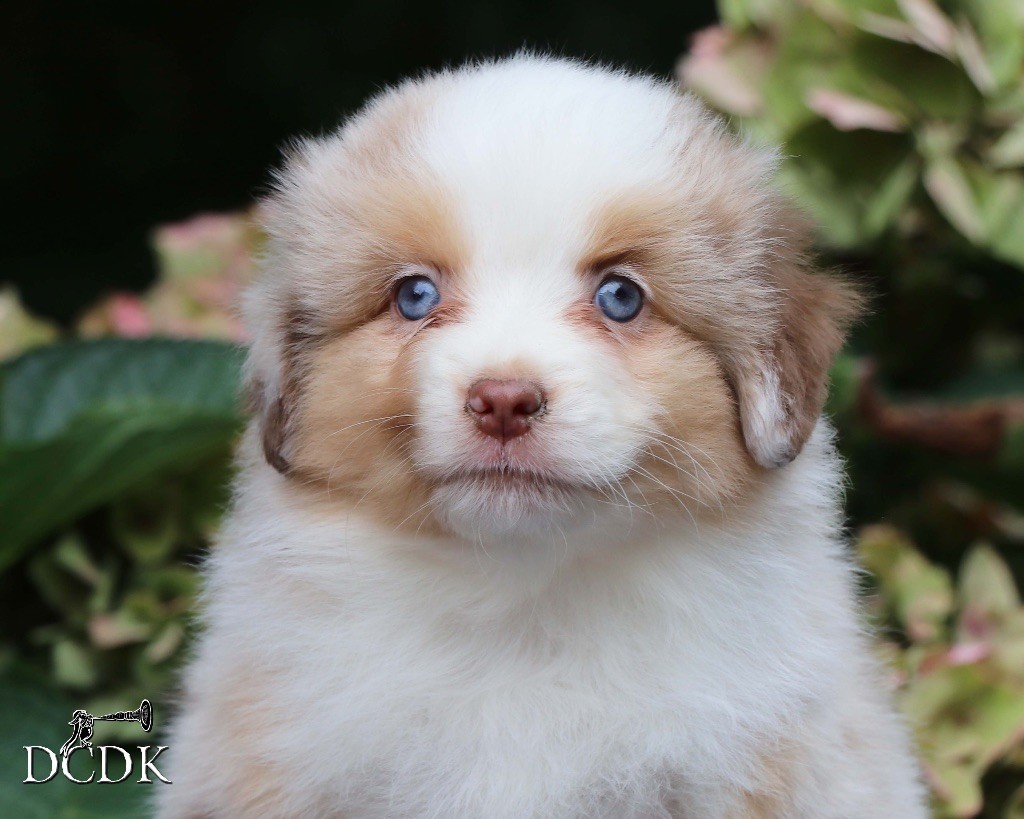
(82, 422)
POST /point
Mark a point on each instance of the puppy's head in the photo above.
(503, 299)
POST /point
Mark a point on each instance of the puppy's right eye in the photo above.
(415, 297)
(619, 298)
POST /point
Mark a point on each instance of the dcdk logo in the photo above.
(81, 737)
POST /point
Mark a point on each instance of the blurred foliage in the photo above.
(18, 329)
(902, 126)
(960, 667)
(203, 265)
(82, 423)
(115, 450)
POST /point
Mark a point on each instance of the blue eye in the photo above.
(619, 298)
(416, 296)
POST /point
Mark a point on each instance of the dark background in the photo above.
(125, 115)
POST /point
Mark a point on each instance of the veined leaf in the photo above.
(83, 422)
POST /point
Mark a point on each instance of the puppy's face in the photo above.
(495, 310)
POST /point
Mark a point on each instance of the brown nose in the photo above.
(504, 409)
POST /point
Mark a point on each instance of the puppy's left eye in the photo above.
(416, 296)
(619, 298)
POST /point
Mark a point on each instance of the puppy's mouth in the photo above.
(511, 478)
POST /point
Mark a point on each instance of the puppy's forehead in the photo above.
(529, 153)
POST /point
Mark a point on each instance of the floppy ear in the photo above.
(273, 371)
(272, 415)
(782, 384)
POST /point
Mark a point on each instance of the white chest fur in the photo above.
(347, 672)
(407, 680)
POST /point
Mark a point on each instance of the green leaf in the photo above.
(851, 10)
(970, 720)
(844, 385)
(950, 189)
(923, 85)
(19, 329)
(1002, 203)
(1015, 807)
(891, 197)
(728, 72)
(81, 423)
(934, 29)
(920, 593)
(147, 525)
(986, 584)
(856, 184)
(74, 666)
(986, 206)
(1008, 150)
(745, 13)
(800, 64)
(958, 783)
(1000, 27)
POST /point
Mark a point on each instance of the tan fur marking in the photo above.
(340, 239)
(352, 432)
(772, 798)
(696, 458)
(254, 787)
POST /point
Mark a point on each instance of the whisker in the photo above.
(675, 493)
(382, 420)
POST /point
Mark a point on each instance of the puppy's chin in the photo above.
(510, 507)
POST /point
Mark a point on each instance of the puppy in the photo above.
(536, 516)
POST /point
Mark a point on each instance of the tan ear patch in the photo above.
(783, 383)
(276, 406)
(815, 313)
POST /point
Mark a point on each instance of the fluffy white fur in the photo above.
(539, 653)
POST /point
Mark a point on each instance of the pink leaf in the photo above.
(850, 113)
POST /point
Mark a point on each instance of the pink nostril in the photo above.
(504, 409)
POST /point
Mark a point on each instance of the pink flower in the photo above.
(129, 317)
